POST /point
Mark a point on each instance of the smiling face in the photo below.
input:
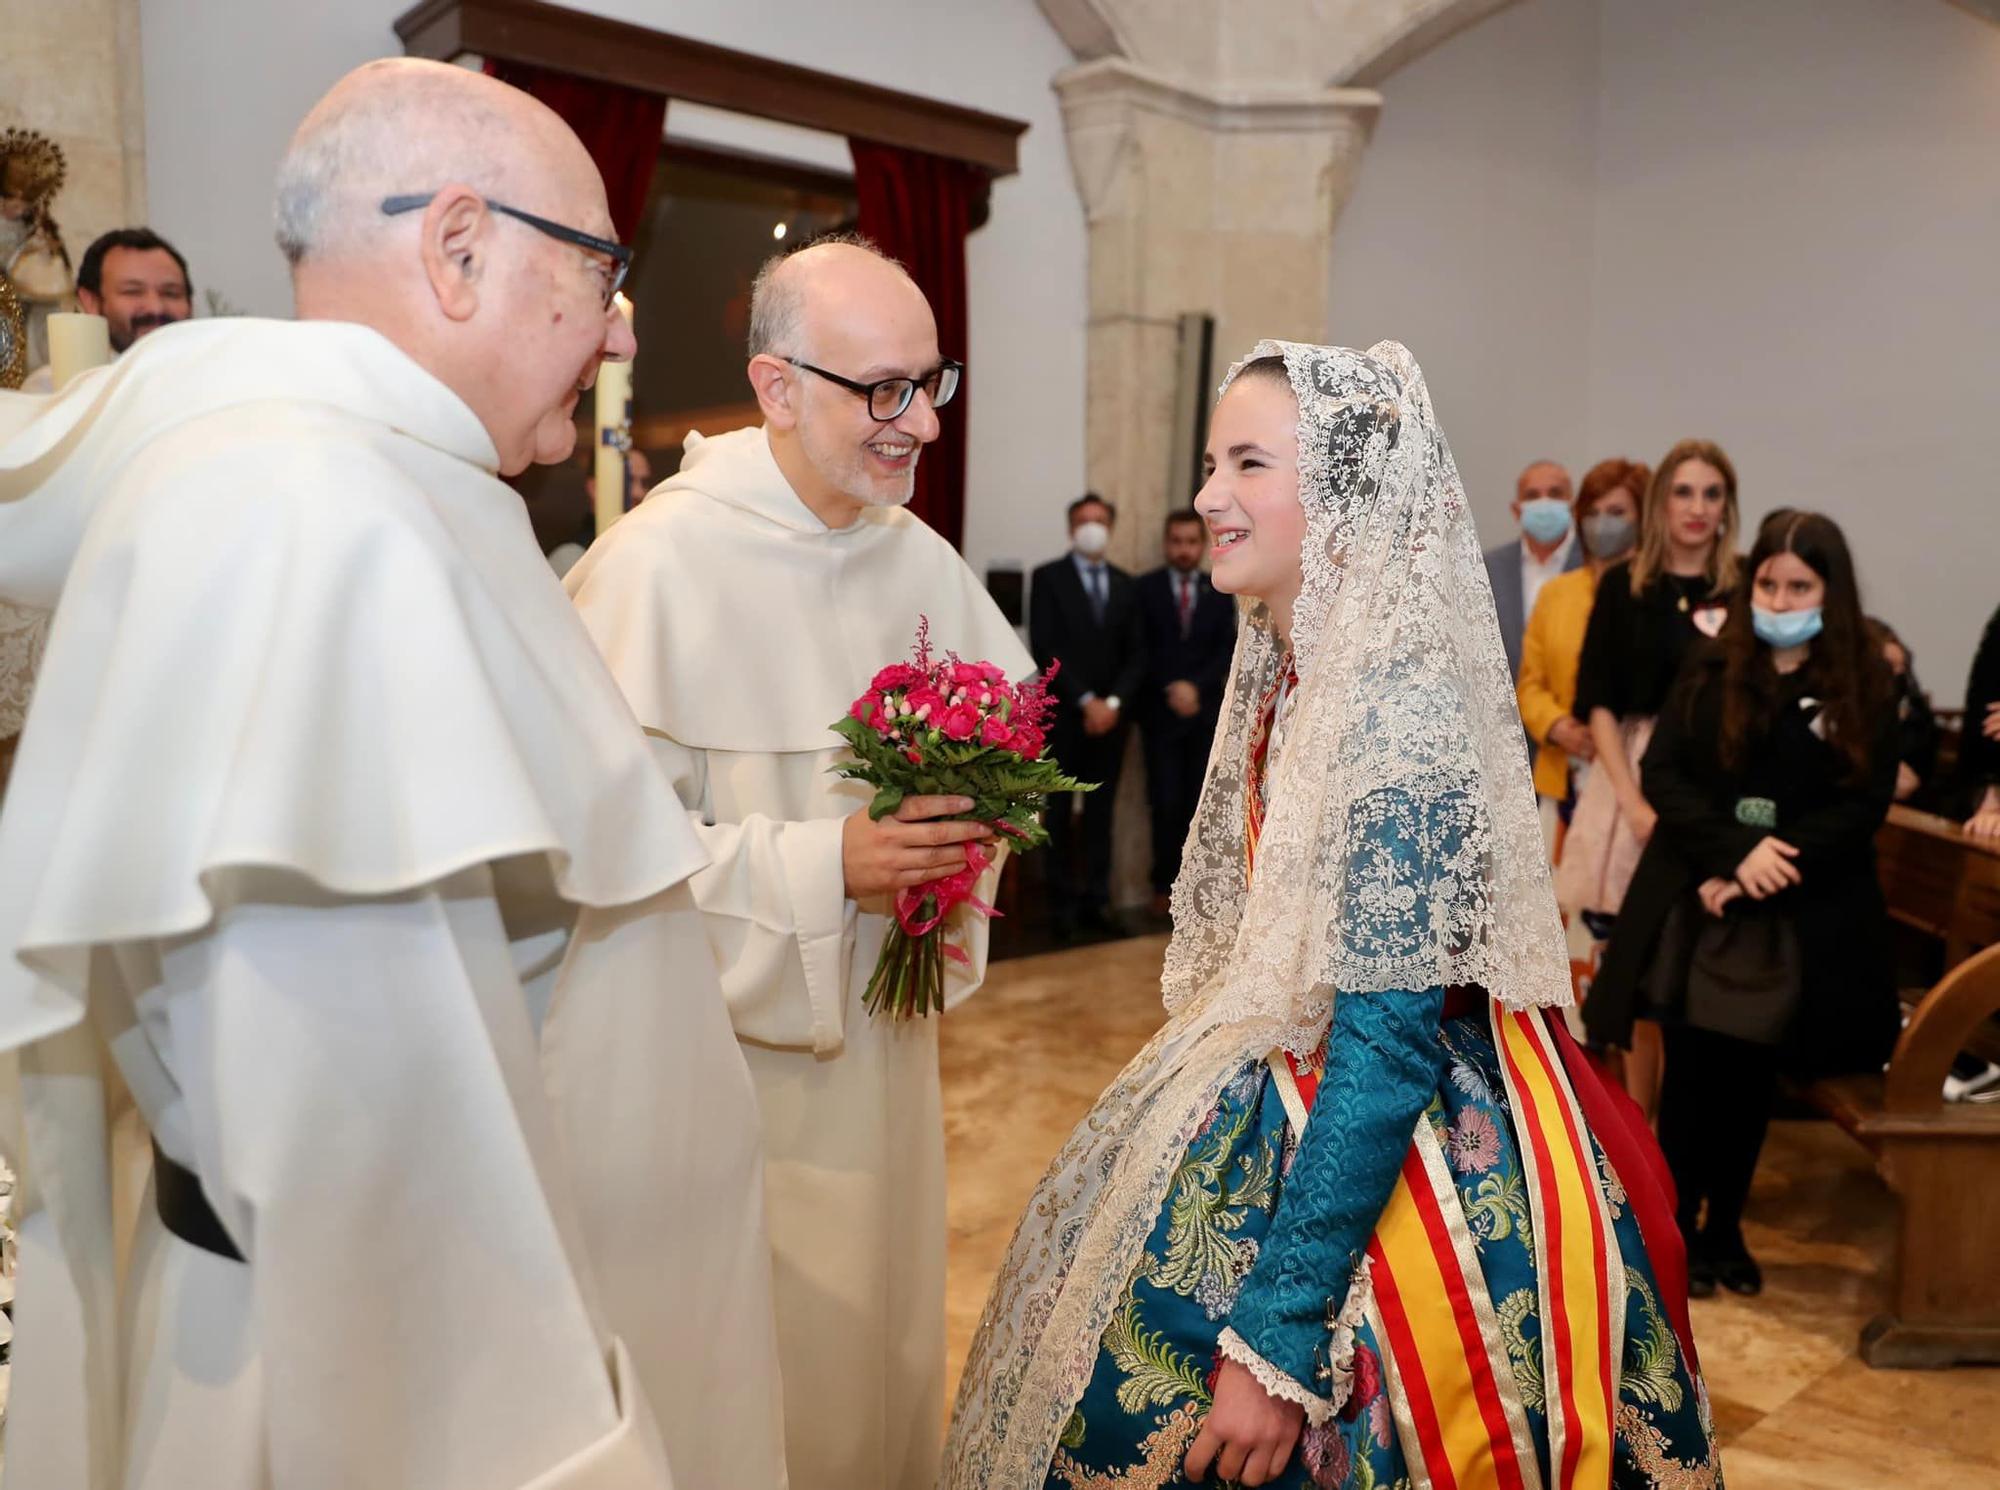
(860, 318)
(1250, 499)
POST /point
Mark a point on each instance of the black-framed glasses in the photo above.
(618, 253)
(887, 398)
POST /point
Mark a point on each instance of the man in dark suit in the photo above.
(1543, 499)
(1190, 634)
(1084, 612)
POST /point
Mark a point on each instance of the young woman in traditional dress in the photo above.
(1343, 1222)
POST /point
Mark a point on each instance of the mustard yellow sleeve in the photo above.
(1540, 708)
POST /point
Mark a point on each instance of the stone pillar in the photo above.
(72, 72)
(1196, 200)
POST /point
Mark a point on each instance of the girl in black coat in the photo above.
(1755, 928)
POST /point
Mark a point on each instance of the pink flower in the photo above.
(1473, 1145)
(913, 757)
(992, 672)
(965, 674)
(897, 675)
(1028, 742)
(1378, 1420)
(870, 711)
(925, 702)
(1326, 1458)
(995, 732)
(960, 722)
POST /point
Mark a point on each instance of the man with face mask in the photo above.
(1547, 547)
(743, 607)
(319, 776)
(137, 281)
(1084, 612)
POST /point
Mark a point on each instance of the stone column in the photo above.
(1196, 200)
(71, 70)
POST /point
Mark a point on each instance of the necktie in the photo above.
(1185, 585)
(1099, 598)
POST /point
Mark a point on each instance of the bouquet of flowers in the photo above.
(945, 727)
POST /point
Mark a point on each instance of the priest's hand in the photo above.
(906, 848)
(1249, 1435)
(1717, 893)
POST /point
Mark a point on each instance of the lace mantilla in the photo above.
(1403, 729)
(23, 633)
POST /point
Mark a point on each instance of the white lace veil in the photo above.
(1403, 728)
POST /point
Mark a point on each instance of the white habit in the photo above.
(318, 769)
(741, 628)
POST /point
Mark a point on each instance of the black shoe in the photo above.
(1739, 1273)
(1701, 1277)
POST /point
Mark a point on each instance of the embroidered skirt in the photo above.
(1156, 1366)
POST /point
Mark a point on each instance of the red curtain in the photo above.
(918, 209)
(620, 127)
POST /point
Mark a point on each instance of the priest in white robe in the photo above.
(743, 607)
(319, 768)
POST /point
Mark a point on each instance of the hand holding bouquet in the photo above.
(944, 727)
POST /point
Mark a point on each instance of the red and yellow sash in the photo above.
(1451, 1384)
(1452, 1389)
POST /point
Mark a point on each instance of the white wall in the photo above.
(227, 80)
(1468, 240)
(1791, 233)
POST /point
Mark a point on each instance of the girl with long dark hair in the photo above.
(1754, 929)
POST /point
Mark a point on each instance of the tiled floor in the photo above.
(1795, 1406)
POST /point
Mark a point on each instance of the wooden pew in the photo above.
(1942, 1159)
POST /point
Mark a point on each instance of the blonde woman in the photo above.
(1649, 613)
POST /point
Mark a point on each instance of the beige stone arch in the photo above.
(1214, 147)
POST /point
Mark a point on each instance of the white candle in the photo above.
(614, 433)
(77, 343)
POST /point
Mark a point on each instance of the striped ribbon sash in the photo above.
(1452, 1390)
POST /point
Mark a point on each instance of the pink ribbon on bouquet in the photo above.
(949, 893)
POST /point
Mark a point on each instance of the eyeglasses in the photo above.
(618, 253)
(887, 398)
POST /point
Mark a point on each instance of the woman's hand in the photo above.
(1639, 816)
(1248, 1435)
(1768, 868)
(1907, 781)
(1717, 893)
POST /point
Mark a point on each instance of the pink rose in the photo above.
(925, 702)
(966, 674)
(995, 732)
(896, 676)
(1367, 1382)
(960, 722)
(868, 709)
(1028, 742)
(992, 672)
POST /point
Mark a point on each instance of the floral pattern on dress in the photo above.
(1153, 1378)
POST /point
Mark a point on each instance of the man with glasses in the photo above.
(324, 775)
(743, 607)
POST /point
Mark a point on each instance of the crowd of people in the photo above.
(1718, 736)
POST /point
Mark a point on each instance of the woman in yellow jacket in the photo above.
(1608, 509)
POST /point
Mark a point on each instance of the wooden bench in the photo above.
(1942, 1159)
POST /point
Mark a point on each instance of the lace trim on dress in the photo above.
(1319, 1411)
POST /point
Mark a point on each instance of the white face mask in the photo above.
(1091, 539)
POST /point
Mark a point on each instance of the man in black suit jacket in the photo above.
(1084, 612)
(1190, 635)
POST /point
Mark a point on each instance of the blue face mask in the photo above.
(1545, 519)
(1785, 628)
